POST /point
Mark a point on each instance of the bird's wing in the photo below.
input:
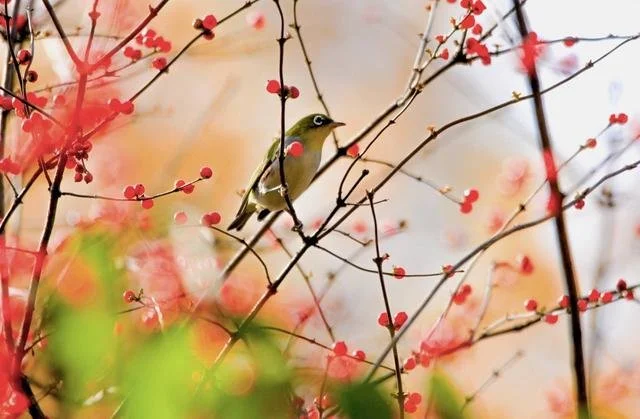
(269, 158)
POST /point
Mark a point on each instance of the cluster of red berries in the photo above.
(461, 296)
(398, 321)
(206, 25)
(8, 103)
(339, 348)
(273, 86)
(136, 193)
(470, 197)
(210, 219)
(621, 118)
(411, 402)
(595, 297)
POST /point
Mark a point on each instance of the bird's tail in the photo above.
(243, 216)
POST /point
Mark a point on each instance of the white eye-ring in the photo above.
(318, 120)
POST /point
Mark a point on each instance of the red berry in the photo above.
(563, 302)
(147, 203)
(629, 295)
(159, 63)
(579, 204)
(447, 269)
(398, 272)
(459, 298)
(400, 319)
(383, 319)
(129, 192)
(273, 86)
(353, 151)
(582, 305)
(524, 263)
(410, 407)
(256, 20)
(127, 107)
(294, 92)
(340, 348)
(466, 289)
(425, 360)
(414, 398)
(607, 297)
(88, 178)
(59, 100)
(621, 285)
(77, 177)
(622, 118)
(409, 364)
(139, 189)
(149, 33)
(180, 217)
(359, 355)
(531, 305)
(114, 104)
(23, 56)
(206, 172)
(471, 195)
(478, 7)
(569, 41)
(594, 296)
(209, 22)
(32, 76)
(129, 296)
(466, 207)
(295, 149)
(591, 143)
(551, 318)
(468, 22)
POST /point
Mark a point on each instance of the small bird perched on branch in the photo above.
(303, 151)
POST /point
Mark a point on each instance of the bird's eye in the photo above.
(318, 120)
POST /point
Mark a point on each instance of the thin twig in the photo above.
(391, 326)
(296, 26)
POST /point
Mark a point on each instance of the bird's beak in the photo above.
(336, 124)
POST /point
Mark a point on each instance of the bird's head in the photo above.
(314, 128)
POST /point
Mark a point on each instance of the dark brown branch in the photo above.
(561, 230)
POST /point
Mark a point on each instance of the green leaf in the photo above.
(363, 400)
(81, 347)
(447, 399)
(159, 380)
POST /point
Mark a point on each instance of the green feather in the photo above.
(311, 131)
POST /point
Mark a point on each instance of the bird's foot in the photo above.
(297, 227)
(283, 191)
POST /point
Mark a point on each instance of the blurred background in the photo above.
(212, 109)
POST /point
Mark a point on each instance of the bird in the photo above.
(264, 191)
